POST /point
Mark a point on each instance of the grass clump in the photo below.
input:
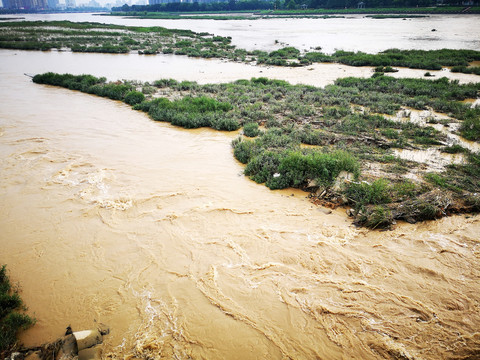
(11, 319)
(300, 166)
(470, 128)
(251, 129)
(363, 193)
(134, 97)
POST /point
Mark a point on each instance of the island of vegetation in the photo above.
(103, 38)
(341, 143)
(12, 318)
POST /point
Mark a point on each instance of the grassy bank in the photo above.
(12, 319)
(336, 142)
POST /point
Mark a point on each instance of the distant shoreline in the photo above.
(147, 13)
(136, 10)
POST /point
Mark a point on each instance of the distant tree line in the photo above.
(233, 5)
(195, 6)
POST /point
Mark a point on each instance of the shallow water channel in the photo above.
(109, 217)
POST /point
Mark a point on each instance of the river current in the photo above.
(109, 217)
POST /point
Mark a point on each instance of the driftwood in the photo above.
(429, 206)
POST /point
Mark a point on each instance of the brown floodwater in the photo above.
(109, 217)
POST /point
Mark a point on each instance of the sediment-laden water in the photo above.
(109, 217)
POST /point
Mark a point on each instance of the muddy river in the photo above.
(109, 217)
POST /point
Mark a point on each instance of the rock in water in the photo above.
(93, 353)
(87, 338)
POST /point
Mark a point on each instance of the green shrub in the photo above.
(251, 129)
(436, 179)
(115, 91)
(243, 150)
(134, 97)
(264, 166)
(224, 123)
(363, 193)
(299, 167)
(11, 321)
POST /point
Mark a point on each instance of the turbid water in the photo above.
(107, 216)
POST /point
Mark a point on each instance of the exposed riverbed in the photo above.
(108, 216)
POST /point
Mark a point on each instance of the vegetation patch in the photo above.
(335, 142)
(466, 69)
(12, 320)
(415, 59)
(103, 38)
